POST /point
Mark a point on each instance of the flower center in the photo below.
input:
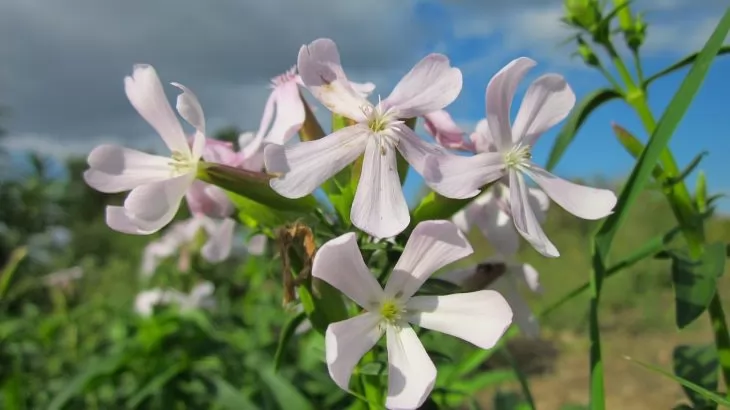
(517, 156)
(181, 163)
(391, 311)
(382, 122)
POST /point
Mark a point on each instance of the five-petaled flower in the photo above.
(379, 207)
(505, 151)
(157, 183)
(480, 318)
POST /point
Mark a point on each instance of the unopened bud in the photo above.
(637, 34)
(586, 52)
(582, 13)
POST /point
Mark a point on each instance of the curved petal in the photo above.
(145, 92)
(581, 201)
(460, 177)
(529, 275)
(480, 318)
(496, 225)
(364, 89)
(523, 316)
(379, 207)
(540, 203)
(482, 138)
(289, 114)
(218, 247)
(431, 85)
(306, 165)
(207, 199)
(414, 149)
(346, 342)
(500, 93)
(524, 218)
(119, 220)
(547, 101)
(190, 109)
(444, 130)
(411, 373)
(153, 206)
(339, 263)
(118, 169)
(219, 152)
(431, 246)
(321, 72)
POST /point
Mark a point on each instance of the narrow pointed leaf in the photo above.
(634, 147)
(575, 120)
(697, 364)
(686, 61)
(695, 282)
(285, 336)
(287, 396)
(691, 167)
(701, 192)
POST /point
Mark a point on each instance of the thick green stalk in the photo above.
(682, 206)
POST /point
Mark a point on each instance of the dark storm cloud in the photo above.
(62, 62)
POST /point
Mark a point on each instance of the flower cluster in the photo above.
(504, 208)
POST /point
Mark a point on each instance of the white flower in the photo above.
(491, 213)
(505, 151)
(478, 317)
(157, 183)
(504, 277)
(200, 297)
(379, 207)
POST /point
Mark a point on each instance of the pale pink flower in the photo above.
(491, 213)
(200, 297)
(444, 130)
(505, 151)
(379, 207)
(157, 183)
(487, 276)
(480, 318)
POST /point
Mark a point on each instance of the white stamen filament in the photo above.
(517, 156)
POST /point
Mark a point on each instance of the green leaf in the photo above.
(286, 395)
(434, 206)
(323, 305)
(714, 397)
(13, 392)
(157, 383)
(373, 369)
(576, 119)
(697, 364)
(695, 282)
(96, 369)
(255, 215)
(701, 192)
(285, 335)
(681, 64)
(8, 271)
(634, 147)
(230, 398)
(252, 185)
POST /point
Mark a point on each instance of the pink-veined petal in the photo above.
(118, 169)
(153, 206)
(482, 138)
(411, 373)
(500, 93)
(379, 207)
(431, 246)
(444, 130)
(431, 85)
(218, 246)
(306, 165)
(460, 177)
(581, 201)
(321, 72)
(289, 114)
(522, 314)
(339, 263)
(346, 342)
(145, 92)
(547, 101)
(480, 318)
(523, 216)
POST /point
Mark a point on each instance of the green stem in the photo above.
(722, 338)
(520, 376)
(615, 84)
(639, 70)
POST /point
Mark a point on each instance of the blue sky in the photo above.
(63, 83)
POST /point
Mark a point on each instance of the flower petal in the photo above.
(339, 263)
(411, 373)
(482, 138)
(431, 85)
(153, 206)
(257, 244)
(460, 177)
(529, 275)
(444, 130)
(207, 199)
(118, 169)
(496, 225)
(547, 101)
(581, 201)
(431, 246)
(379, 207)
(145, 92)
(364, 89)
(523, 316)
(480, 318)
(289, 114)
(524, 218)
(540, 203)
(500, 92)
(414, 149)
(189, 108)
(306, 165)
(346, 342)
(321, 72)
(218, 246)
(119, 220)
